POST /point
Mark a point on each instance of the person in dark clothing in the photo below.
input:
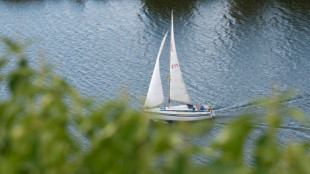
(190, 107)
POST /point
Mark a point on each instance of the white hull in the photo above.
(179, 113)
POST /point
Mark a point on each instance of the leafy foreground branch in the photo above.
(46, 127)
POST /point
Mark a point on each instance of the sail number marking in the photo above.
(174, 66)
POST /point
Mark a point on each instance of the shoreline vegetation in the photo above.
(42, 108)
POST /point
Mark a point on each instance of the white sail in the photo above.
(178, 90)
(155, 95)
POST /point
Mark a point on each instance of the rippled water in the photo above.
(230, 51)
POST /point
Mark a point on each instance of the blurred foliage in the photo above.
(35, 136)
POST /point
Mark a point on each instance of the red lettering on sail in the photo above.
(174, 66)
(171, 47)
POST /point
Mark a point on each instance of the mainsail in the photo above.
(155, 95)
(178, 91)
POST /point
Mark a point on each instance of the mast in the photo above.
(171, 32)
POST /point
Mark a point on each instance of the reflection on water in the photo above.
(181, 6)
(230, 51)
(161, 8)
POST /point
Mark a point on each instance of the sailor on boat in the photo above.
(209, 108)
(200, 107)
(190, 106)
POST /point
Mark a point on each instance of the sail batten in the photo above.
(155, 95)
(178, 91)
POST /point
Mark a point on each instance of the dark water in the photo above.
(230, 51)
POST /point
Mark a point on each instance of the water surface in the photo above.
(230, 51)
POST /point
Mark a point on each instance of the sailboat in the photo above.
(177, 91)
